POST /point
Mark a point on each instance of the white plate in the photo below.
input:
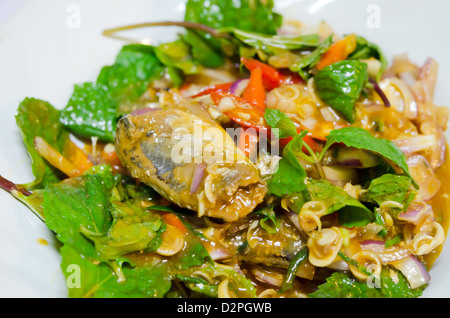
(47, 46)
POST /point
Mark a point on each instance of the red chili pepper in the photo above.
(213, 88)
(174, 220)
(244, 113)
(292, 78)
(338, 51)
(272, 78)
(255, 92)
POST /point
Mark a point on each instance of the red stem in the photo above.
(10, 186)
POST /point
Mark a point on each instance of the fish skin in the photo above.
(145, 145)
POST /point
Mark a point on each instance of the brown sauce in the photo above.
(441, 206)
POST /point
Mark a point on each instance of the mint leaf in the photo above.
(287, 179)
(282, 126)
(238, 283)
(342, 285)
(268, 219)
(340, 84)
(388, 187)
(362, 139)
(99, 281)
(128, 78)
(76, 203)
(177, 54)
(304, 63)
(91, 112)
(294, 149)
(194, 255)
(246, 15)
(133, 229)
(365, 50)
(390, 288)
(38, 118)
(350, 211)
(201, 51)
(200, 285)
(265, 42)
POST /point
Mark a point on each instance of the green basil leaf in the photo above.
(294, 149)
(340, 85)
(342, 285)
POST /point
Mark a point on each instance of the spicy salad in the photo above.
(249, 157)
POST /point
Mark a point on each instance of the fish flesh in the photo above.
(190, 160)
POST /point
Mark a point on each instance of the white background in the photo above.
(43, 55)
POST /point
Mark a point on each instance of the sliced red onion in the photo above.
(237, 88)
(394, 254)
(351, 162)
(380, 92)
(294, 219)
(339, 266)
(329, 114)
(409, 145)
(219, 254)
(408, 77)
(373, 246)
(198, 177)
(422, 171)
(415, 212)
(386, 256)
(428, 76)
(268, 278)
(414, 271)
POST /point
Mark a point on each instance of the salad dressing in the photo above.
(441, 206)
